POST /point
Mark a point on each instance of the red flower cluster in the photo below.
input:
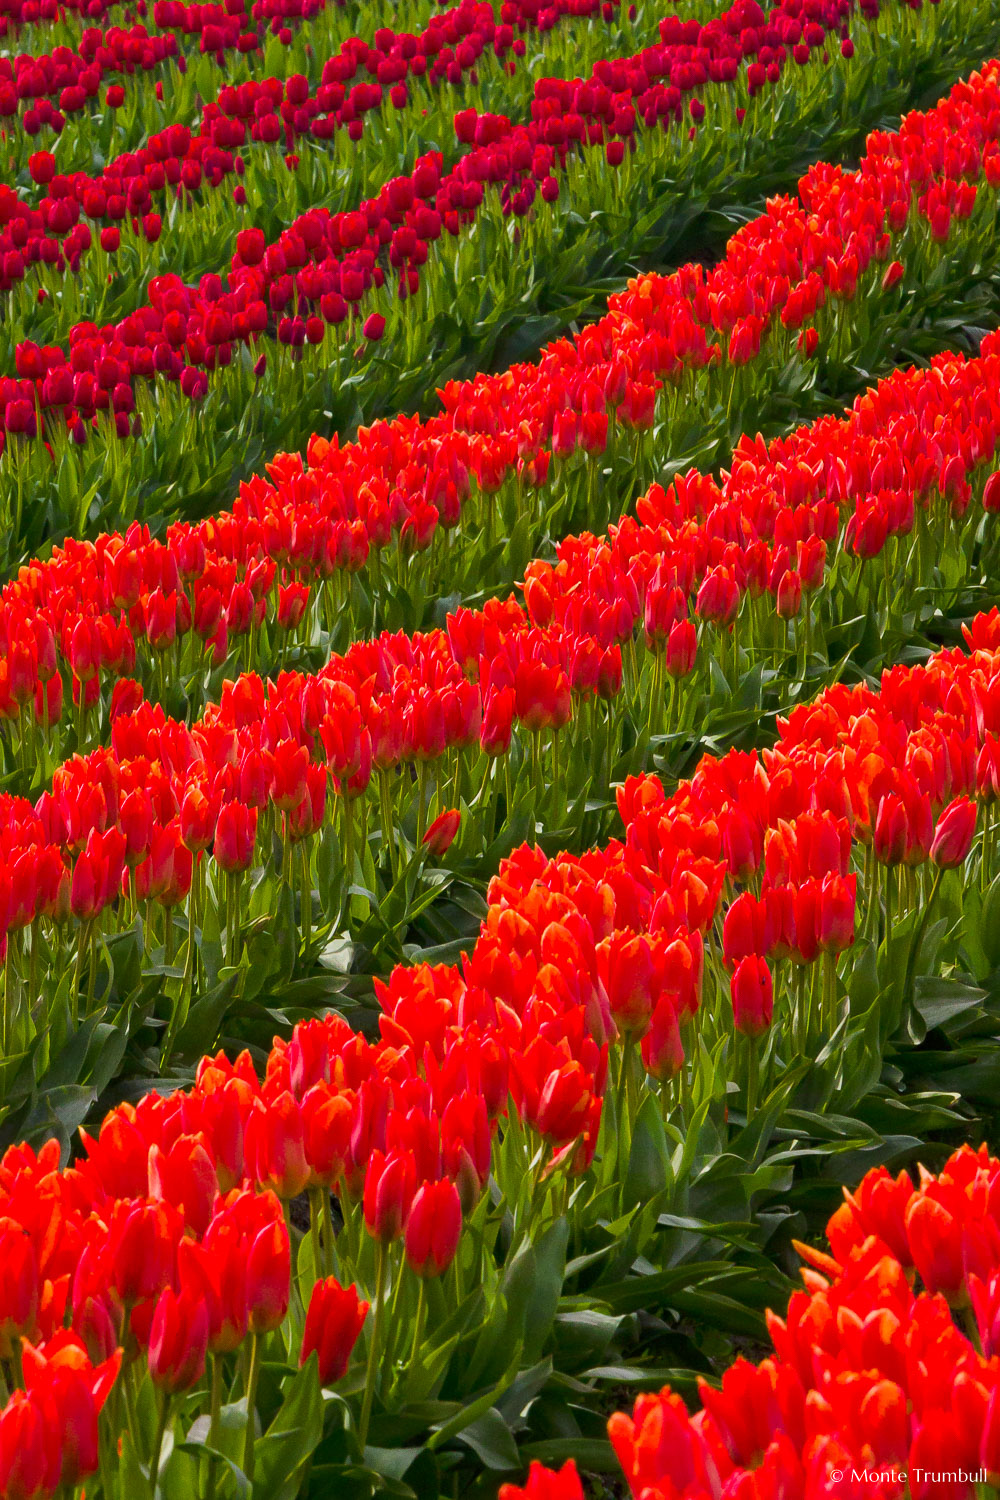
(73, 79)
(324, 266)
(872, 1391)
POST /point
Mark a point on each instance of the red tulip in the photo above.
(954, 833)
(178, 1341)
(235, 835)
(753, 996)
(433, 1228)
(268, 1278)
(390, 1183)
(334, 1320)
(441, 834)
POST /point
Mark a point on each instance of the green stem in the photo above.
(315, 1210)
(215, 1423)
(751, 1077)
(911, 961)
(382, 1262)
(253, 1375)
(418, 1323)
(161, 1427)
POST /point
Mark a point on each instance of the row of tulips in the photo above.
(159, 1292)
(304, 286)
(883, 1380)
(511, 453)
(165, 191)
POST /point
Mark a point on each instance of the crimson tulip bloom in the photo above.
(274, 1144)
(433, 1228)
(441, 834)
(235, 835)
(334, 1320)
(753, 996)
(390, 1183)
(178, 1341)
(954, 833)
(19, 1286)
(269, 1269)
(682, 648)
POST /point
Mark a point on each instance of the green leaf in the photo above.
(490, 1439)
(289, 1442)
(648, 1172)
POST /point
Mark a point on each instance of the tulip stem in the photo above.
(327, 1233)
(388, 837)
(92, 975)
(751, 1077)
(315, 1209)
(306, 899)
(161, 1427)
(418, 1322)
(250, 1436)
(911, 962)
(215, 1422)
(394, 1304)
(381, 1262)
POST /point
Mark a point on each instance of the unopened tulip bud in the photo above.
(390, 1183)
(441, 834)
(269, 1267)
(334, 1320)
(235, 834)
(954, 833)
(682, 648)
(789, 597)
(433, 1228)
(753, 996)
(178, 1341)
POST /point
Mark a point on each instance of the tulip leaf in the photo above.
(294, 1433)
(490, 1439)
(648, 1170)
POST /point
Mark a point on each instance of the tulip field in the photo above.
(499, 750)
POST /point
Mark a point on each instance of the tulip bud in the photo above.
(269, 1267)
(178, 1341)
(333, 1322)
(390, 1182)
(498, 718)
(789, 597)
(954, 834)
(544, 1484)
(235, 834)
(433, 1228)
(682, 648)
(892, 830)
(753, 996)
(662, 1048)
(441, 834)
(274, 1144)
